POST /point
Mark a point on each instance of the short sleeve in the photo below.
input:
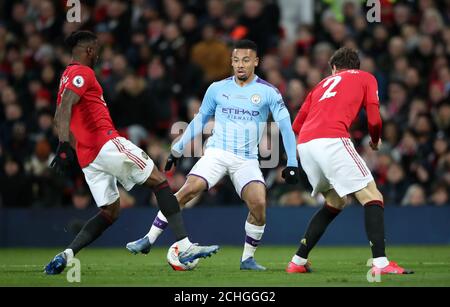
(80, 80)
(208, 106)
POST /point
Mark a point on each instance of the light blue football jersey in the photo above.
(241, 114)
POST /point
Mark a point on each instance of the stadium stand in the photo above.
(158, 57)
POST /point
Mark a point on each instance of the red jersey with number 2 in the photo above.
(333, 104)
(90, 123)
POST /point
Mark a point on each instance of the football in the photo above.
(172, 259)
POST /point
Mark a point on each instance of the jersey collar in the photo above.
(253, 81)
(74, 63)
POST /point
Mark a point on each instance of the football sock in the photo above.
(316, 228)
(90, 231)
(69, 254)
(253, 235)
(183, 244)
(170, 208)
(380, 262)
(159, 224)
(299, 260)
(374, 220)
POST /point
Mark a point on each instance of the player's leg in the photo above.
(170, 212)
(170, 208)
(91, 230)
(250, 186)
(95, 226)
(316, 228)
(319, 223)
(254, 195)
(192, 188)
(205, 173)
(103, 187)
(314, 169)
(349, 174)
(372, 201)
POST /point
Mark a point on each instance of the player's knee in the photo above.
(379, 197)
(112, 212)
(376, 195)
(188, 192)
(179, 198)
(337, 204)
(156, 178)
(368, 194)
(258, 203)
(115, 216)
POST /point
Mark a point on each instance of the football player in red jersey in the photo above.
(82, 119)
(328, 156)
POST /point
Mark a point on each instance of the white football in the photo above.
(174, 262)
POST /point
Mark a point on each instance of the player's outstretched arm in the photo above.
(64, 155)
(282, 117)
(194, 128)
(290, 173)
(288, 141)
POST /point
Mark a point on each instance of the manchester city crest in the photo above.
(255, 99)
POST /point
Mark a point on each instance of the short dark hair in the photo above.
(79, 37)
(345, 58)
(246, 44)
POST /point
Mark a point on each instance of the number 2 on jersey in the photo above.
(328, 93)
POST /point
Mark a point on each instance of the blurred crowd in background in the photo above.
(159, 56)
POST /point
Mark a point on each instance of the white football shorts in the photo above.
(333, 163)
(119, 159)
(216, 163)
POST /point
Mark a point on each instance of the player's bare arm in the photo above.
(64, 113)
(64, 155)
(72, 140)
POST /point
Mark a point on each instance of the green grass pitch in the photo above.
(333, 266)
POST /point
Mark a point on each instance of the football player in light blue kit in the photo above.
(241, 106)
